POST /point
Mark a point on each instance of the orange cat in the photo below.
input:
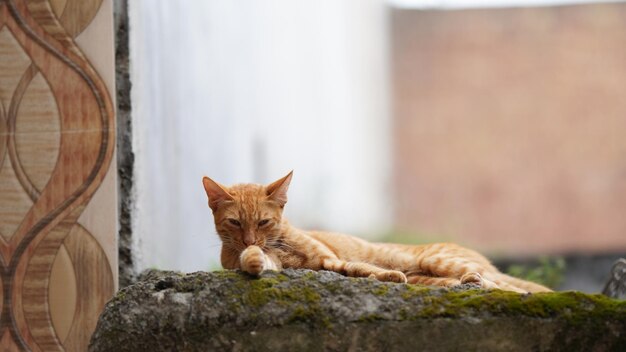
(255, 237)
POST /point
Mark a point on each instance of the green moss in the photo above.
(229, 309)
(263, 283)
(370, 318)
(412, 291)
(309, 276)
(575, 307)
(268, 289)
(404, 315)
(300, 295)
(226, 274)
(334, 287)
(302, 298)
(302, 314)
(381, 290)
(120, 295)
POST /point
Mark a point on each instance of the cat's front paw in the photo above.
(252, 260)
(392, 276)
(472, 278)
(478, 280)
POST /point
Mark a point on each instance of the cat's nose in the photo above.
(248, 239)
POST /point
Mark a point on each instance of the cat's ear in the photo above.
(277, 190)
(216, 192)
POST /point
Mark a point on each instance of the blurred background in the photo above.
(499, 125)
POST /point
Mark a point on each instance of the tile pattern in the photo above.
(56, 147)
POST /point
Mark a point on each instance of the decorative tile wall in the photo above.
(57, 176)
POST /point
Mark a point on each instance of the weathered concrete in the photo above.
(125, 155)
(300, 310)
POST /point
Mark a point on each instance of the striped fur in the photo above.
(255, 237)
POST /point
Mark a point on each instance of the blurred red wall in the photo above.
(510, 127)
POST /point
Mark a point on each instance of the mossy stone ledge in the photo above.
(303, 310)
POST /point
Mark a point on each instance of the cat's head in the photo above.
(247, 214)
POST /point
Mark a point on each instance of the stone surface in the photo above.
(125, 154)
(302, 310)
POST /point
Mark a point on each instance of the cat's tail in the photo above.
(522, 284)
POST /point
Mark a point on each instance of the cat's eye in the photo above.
(264, 222)
(234, 222)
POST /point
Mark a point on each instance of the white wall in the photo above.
(244, 91)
